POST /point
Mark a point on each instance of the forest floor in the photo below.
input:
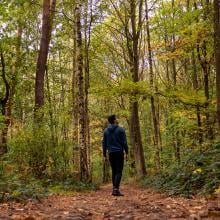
(137, 203)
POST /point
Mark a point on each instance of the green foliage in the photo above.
(199, 173)
(186, 96)
(125, 87)
(35, 151)
(71, 185)
(30, 150)
(15, 187)
(2, 124)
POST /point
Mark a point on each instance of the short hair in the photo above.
(111, 119)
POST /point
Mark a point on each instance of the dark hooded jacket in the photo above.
(114, 140)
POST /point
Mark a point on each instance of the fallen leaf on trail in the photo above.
(19, 209)
(101, 205)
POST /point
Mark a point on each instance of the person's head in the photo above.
(112, 119)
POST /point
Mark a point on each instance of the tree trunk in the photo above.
(202, 57)
(4, 102)
(196, 87)
(75, 110)
(175, 133)
(153, 108)
(15, 69)
(75, 116)
(64, 129)
(51, 115)
(84, 171)
(7, 104)
(87, 30)
(217, 56)
(136, 141)
(173, 40)
(48, 13)
(106, 171)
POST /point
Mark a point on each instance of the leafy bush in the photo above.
(71, 185)
(33, 151)
(199, 173)
(17, 187)
(13, 187)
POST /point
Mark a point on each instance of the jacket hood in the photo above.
(112, 127)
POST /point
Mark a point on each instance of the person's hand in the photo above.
(105, 159)
(126, 157)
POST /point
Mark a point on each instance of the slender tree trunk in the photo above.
(196, 87)
(87, 30)
(84, 171)
(48, 13)
(176, 141)
(64, 126)
(3, 107)
(134, 60)
(202, 57)
(174, 72)
(153, 108)
(75, 110)
(217, 56)
(51, 116)
(15, 69)
(75, 114)
(136, 141)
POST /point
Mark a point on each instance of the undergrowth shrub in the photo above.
(36, 166)
(33, 151)
(199, 173)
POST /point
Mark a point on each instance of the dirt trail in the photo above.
(136, 204)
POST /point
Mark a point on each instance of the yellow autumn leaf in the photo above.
(199, 170)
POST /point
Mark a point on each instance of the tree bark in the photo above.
(175, 133)
(50, 110)
(202, 57)
(217, 56)
(173, 43)
(87, 30)
(4, 102)
(75, 110)
(153, 108)
(48, 13)
(7, 105)
(136, 140)
(15, 69)
(84, 171)
(196, 87)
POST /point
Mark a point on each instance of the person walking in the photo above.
(115, 142)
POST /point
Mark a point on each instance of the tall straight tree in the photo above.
(217, 55)
(87, 36)
(134, 38)
(153, 107)
(48, 14)
(84, 169)
(204, 61)
(3, 105)
(75, 110)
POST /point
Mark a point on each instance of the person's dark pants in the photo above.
(117, 162)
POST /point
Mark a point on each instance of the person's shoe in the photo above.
(119, 193)
(116, 192)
